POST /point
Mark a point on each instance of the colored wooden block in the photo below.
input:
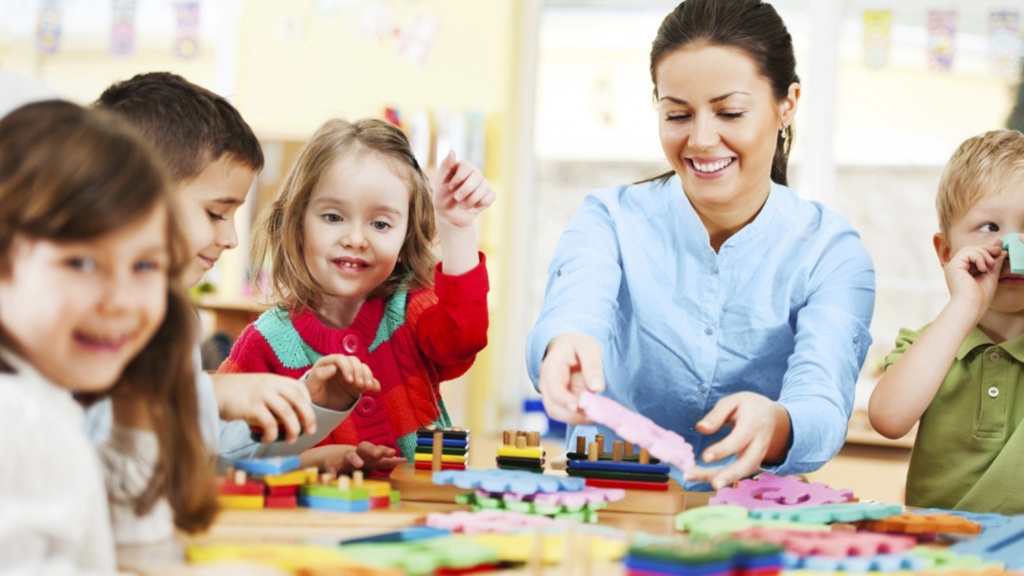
(227, 487)
(512, 452)
(282, 490)
(377, 488)
(668, 446)
(833, 544)
(288, 557)
(829, 513)
(611, 475)
(626, 467)
(420, 465)
(446, 433)
(293, 478)
(445, 458)
(607, 457)
(771, 491)
(909, 523)
(380, 502)
(410, 534)
(333, 504)
(268, 466)
(627, 484)
(1002, 544)
(507, 481)
(333, 492)
(1012, 244)
(551, 547)
(444, 450)
(447, 443)
(291, 501)
(241, 502)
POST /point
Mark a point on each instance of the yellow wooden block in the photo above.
(377, 488)
(241, 502)
(513, 452)
(450, 458)
(293, 478)
(288, 557)
(519, 547)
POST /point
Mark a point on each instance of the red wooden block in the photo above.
(227, 487)
(444, 466)
(281, 502)
(631, 484)
(282, 490)
(380, 502)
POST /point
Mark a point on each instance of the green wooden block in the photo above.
(323, 491)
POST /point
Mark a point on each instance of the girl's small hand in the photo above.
(266, 400)
(571, 365)
(336, 381)
(461, 193)
(344, 458)
(760, 431)
(972, 274)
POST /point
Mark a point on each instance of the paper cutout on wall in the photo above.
(877, 37)
(376, 21)
(417, 37)
(1004, 44)
(941, 39)
(186, 43)
(48, 28)
(122, 28)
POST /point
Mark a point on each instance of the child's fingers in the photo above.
(286, 415)
(389, 463)
(480, 197)
(444, 171)
(298, 396)
(464, 185)
(265, 420)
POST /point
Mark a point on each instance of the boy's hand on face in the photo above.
(461, 193)
(972, 275)
(336, 381)
(266, 400)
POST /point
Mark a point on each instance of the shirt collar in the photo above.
(763, 219)
(31, 380)
(977, 338)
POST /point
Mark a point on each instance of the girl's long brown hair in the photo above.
(68, 174)
(277, 236)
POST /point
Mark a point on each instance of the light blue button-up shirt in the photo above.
(783, 309)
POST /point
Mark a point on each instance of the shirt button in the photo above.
(714, 269)
(994, 357)
(367, 406)
(856, 338)
(993, 392)
(709, 330)
(702, 388)
(350, 344)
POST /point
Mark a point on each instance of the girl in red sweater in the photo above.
(354, 275)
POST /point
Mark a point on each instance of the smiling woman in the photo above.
(713, 299)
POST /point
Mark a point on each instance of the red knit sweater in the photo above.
(411, 342)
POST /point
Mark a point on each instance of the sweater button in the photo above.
(350, 344)
(367, 406)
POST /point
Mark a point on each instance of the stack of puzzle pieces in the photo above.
(620, 468)
(704, 557)
(528, 493)
(452, 454)
(521, 451)
(279, 483)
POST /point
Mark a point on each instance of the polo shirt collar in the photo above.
(977, 338)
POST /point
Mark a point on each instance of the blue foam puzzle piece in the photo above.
(878, 563)
(1013, 245)
(514, 481)
(828, 513)
(268, 466)
(446, 443)
(334, 504)
(1002, 544)
(410, 534)
(610, 466)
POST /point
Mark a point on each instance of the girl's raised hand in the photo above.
(336, 381)
(572, 364)
(760, 431)
(461, 192)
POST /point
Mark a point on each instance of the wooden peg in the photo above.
(617, 451)
(599, 438)
(456, 428)
(533, 439)
(645, 458)
(326, 478)
(581, 444)
(593, 453)
(628, 452)
(344, 483)
(520, 442)
(239, 477)
(506, 438)
(357, 478)
(435, 462)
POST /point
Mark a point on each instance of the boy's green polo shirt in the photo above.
(969, 452)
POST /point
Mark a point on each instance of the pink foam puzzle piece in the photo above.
(771, 491)
(831, 544)
(487, 521)
(638, 429)
(589, 495)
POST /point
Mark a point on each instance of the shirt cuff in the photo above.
(465, 287)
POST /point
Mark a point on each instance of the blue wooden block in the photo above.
(609, 466)
(1013, 245)
(333, 504)
(268, 466)
(508, 481)
(1002, 544)
(445, 443)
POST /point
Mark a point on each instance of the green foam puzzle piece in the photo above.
(723, 519)
(946, 559)
(1013, 245)
(827, 513)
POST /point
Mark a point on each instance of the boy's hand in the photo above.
(760, 431)
(344, 458)
(336, 381)
(461, 193)
(972, 275)
(571, 365)
(265, 400)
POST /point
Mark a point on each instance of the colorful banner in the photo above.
(941, 39)
(122, 28)
(1004, 44)
(48, 29)
(186, 43)
(877, 37)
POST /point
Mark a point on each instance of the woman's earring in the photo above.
(783, 133)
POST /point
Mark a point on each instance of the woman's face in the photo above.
(718, 122)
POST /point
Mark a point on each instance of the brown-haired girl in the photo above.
(90, 304)
(355, 278)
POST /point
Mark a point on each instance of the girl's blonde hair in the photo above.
(68, 174)
(277, 239)
(981, 165)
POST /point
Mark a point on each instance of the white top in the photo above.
(53, 506)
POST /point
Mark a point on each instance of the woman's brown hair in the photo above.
(277, 239)
(69, 174)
